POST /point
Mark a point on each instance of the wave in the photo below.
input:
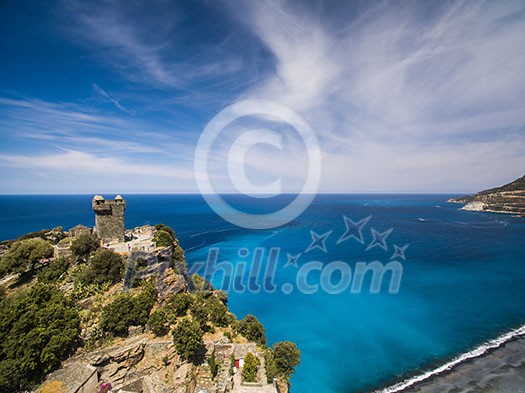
(195, 247)
(475, 353)
(211, 232)
(481, 224)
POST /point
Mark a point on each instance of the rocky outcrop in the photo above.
(509, 199)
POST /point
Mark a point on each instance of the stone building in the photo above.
(78, 231)
(109, 218)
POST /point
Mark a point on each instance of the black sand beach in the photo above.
(499, 370)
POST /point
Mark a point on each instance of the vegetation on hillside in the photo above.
(54, 271)
(24, 255)
(38, 328)
(104, 266)
(516, 185)
(187, 337)
(84, 245)
(44, 311)
(128, 310)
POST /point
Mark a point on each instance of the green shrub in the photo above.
(252, 329)
(165, 228)
(53, 271)
(24, 255)
(249, 369)
(158, 322)
(269, 365)
(53, 235)
(286, 357)
(119, 315)
(163, 239)
(198, 311)
(104, 266)
(187, 338)
(218, 312)
(128, 311)
(38, 329)
(85, 245)
(214, 366)
(177, 305)
(82, 291)
(232, 364)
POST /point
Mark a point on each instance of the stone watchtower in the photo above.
(109, 218)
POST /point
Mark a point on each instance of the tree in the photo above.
(269, 365)
(177, 305)
(126, 311)
(232, 364)
(25, 254)
(104, 266)
(85, 245)
(145, 301)
(38, 328)
(286, 357)
(187, 337)
(198, 311)
(158, 322)
(249, 369)
(214, 366)
(53, 271)
(165, 228)
(252, 329)
(118, 316)
(163, 239)
(218, 312)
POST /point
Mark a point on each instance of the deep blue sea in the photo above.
(462, 282)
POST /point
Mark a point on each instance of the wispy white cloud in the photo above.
(81, 163)
(112, 99)
(405, 96)
(86, 127)
(63, 143)
(108, 28)
(147, 44)
(402, 95)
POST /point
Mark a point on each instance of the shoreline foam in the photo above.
(456, 363)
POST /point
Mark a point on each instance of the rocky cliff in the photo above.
(509, 198)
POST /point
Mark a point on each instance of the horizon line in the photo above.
(237, 193)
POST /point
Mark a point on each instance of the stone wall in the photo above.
(75, 377)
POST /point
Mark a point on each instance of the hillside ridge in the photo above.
(509, 199)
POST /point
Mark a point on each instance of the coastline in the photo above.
(495, 366)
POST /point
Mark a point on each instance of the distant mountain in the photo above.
(509, 198)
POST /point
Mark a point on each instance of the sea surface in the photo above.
(462, 283)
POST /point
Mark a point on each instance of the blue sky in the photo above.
(112, 97)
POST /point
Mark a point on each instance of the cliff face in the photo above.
(509, 198)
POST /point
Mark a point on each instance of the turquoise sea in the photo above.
(462, 279)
